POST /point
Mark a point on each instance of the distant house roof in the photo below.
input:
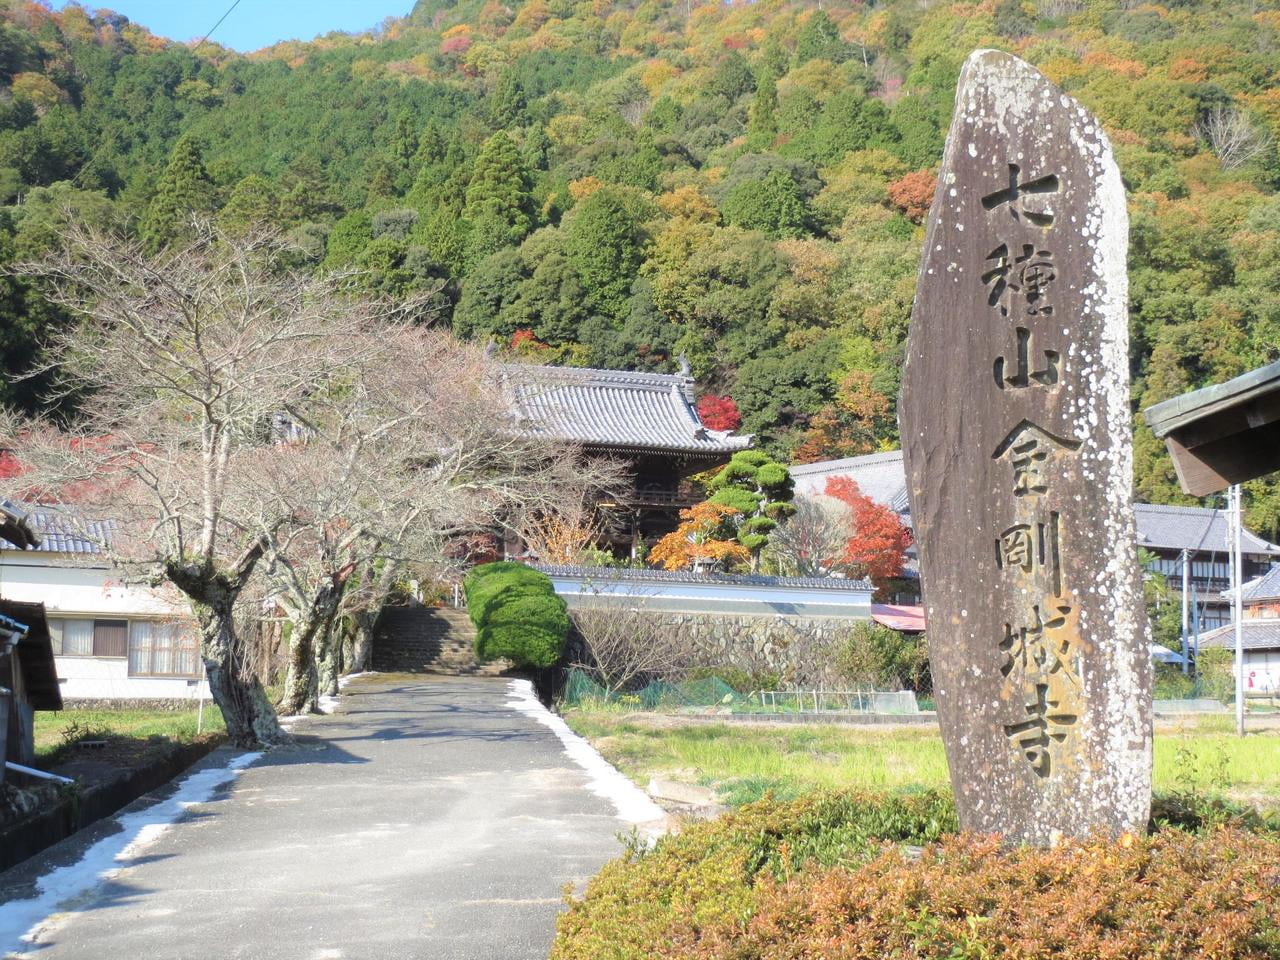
(15, 528)
(1192, 528)
(882, 477)
(1260, 634)
(1266, 587)
(56, 537)
(615, 408)
(35, 654)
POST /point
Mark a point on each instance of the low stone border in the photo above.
(77, 809)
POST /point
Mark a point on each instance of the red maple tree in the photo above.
(719, 413)
(913, 194)
(877, 548)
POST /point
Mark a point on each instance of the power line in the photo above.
(215, 26)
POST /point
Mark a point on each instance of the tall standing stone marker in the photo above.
(1016, 430)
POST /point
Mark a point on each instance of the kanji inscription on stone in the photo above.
(1016, 428)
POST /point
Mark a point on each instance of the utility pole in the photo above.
(1237, 604)
(1186, 611)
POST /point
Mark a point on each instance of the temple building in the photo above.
(648, 420)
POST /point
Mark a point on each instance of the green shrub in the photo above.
(1171, 683)
(826, 876)
(517, 614)
(529, 631)
(705, 877)
(885, 659)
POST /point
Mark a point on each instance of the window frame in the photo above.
(151, 674)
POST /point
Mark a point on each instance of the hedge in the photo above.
(517, 615)
(872, 876)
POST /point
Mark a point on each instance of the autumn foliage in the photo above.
(719, 413)
(913, 194)
(705, 536)
(877, 548)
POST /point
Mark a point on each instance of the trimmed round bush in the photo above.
(529, 631)
(517, 614)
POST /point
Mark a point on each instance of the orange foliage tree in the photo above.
(913, 194)
(877, 548)
(704, 538)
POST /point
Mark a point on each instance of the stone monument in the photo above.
(1016, 429)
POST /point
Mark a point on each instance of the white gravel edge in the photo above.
(631, 803)
(21, 920)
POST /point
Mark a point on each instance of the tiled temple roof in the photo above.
(1259, 634)
(615, 408)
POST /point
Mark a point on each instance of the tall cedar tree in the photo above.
(499, 204)
(184, 188)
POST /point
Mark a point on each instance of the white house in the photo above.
(111, 640)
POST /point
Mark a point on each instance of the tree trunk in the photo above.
(362, 653)
(250, 719)
(310, 628)
(248, 714)
(301, 689)
(328, 659)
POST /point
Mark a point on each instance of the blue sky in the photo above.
(255, 23)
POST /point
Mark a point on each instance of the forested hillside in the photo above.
(617, 184)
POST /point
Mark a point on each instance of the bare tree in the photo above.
(1233, 136)
(399, 456)
(811, 541)
(188, 358)
(623, 642)
(562, 532)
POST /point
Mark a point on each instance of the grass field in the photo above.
(743, 761)
(54, 729)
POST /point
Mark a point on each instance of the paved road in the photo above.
(426, 820)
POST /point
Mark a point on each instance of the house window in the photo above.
(163, 649)
(77, 637)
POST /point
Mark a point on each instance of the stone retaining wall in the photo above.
(797, 649)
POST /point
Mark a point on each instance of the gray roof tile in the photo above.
(614, 408)
(1266, 587)
(882, 477)
(684, 576)
(58, 536)
(1260, 634)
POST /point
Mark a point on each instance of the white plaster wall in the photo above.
(67, 586)
(1262, 672)
(103, 678)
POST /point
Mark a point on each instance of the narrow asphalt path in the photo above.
(426, 819)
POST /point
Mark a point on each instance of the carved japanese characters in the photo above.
(1015, 425)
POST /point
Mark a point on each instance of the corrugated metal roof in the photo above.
(909, 619)
(614, 408)
(682, 576)
(882, 477)
(58, 536)
(1260, 634)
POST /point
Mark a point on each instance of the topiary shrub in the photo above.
(517, 615)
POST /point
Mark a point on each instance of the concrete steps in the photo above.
(429, 640)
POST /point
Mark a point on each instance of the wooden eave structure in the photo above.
(1222, 434)
(35, 654)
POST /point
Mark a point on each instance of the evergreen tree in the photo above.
(760, 490)
(603, 242)
(507, 102)
(773, 206)
(253, 201)
(499, 204)
(819, 39)
(184, 189)
(763, 117)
